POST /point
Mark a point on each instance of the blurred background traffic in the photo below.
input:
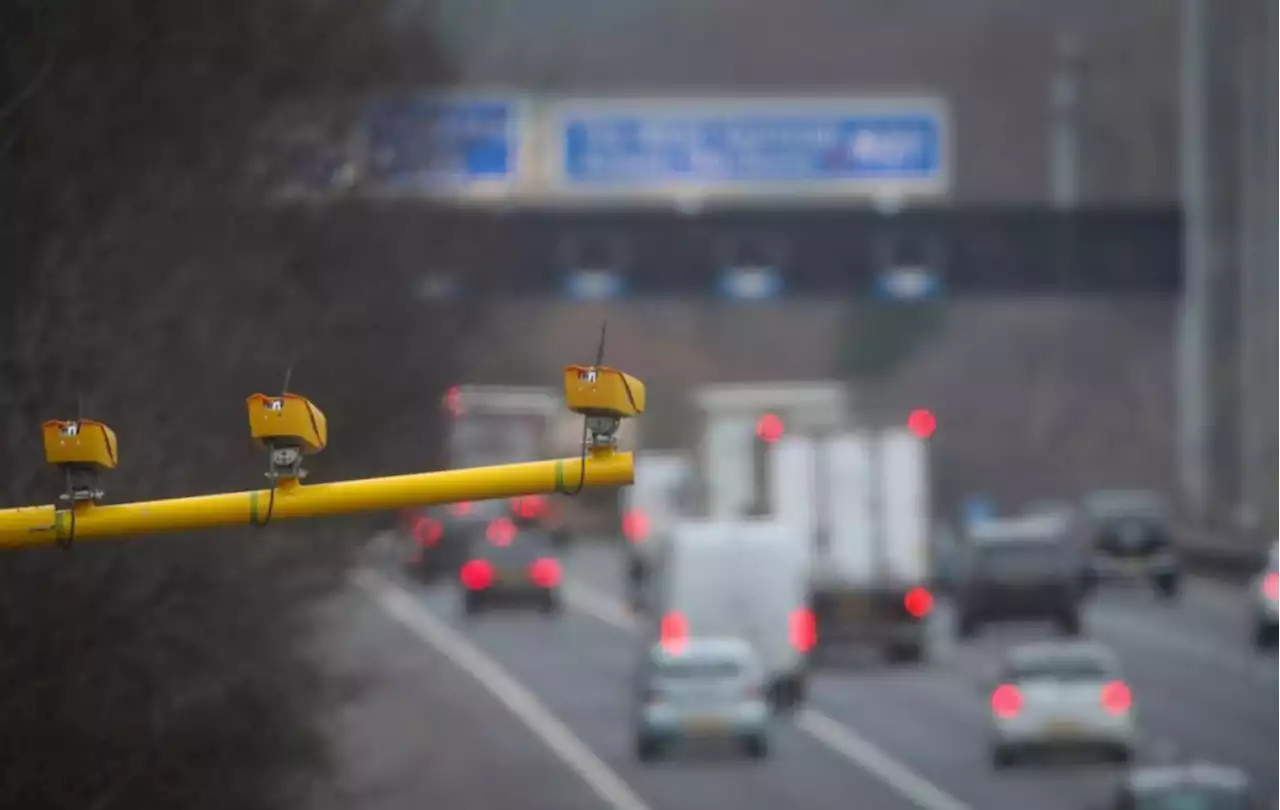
(959, 326)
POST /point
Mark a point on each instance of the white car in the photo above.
(1266, 589)
(698, 690)
(1056, 696)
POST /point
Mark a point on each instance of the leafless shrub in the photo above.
(142, 278)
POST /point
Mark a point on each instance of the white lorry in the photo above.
(870, 570)
(742, 579)
(494, 424)
(741, 423)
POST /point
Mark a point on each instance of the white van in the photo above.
(650, 507)
(743, 579)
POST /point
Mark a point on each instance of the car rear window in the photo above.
(1059, 669)
(489, 509)
(526, 546)
(1017, 559)
(1193, 798)
(698, 670)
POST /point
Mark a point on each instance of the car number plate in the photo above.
(1063, 729)
(704, 725)
(853, 609)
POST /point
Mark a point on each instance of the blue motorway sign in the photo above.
(438, 143)
(653, 147)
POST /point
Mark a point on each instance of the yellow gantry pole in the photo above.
(291, 427)
(47, 525)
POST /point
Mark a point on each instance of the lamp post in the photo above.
(1193, 396)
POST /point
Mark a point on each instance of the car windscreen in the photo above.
(1015, 559)
(1193, 798)
(1112, 506)
(1058, 668)
(1132, 532)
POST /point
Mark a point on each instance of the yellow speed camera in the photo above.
(80, 443)
(602, 391)
(288, 420)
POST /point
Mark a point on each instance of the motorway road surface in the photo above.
(522, 711)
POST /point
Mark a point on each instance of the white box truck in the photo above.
(497, 424)
(870, 570)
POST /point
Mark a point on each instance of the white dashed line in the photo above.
(400, 605)
(835, 736)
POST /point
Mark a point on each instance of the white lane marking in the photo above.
(400, 605)
(920, 791)
(840, 739)
(594, 603)
(1235, 656)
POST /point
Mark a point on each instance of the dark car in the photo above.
(1130, 538)
(1184, 787)
(1266, 589)
(440, 536)
(1019, 569)
(511, 565)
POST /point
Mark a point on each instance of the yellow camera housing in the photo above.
(80, 443)
(602, 391)
(288, 420)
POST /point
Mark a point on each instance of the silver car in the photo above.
(698, 690)
(1195, 786)
(1061, 695)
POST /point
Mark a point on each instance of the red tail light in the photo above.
(1006, 701)
(635, 526)
(501, 532)
(674, 633)
(460, 509)
(802, 630)
(1271, 586)
(476, 575)
(453, 401)
(1116, 697)
(918, 602)
(545, 572)
(427, 531)
(528, 507)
